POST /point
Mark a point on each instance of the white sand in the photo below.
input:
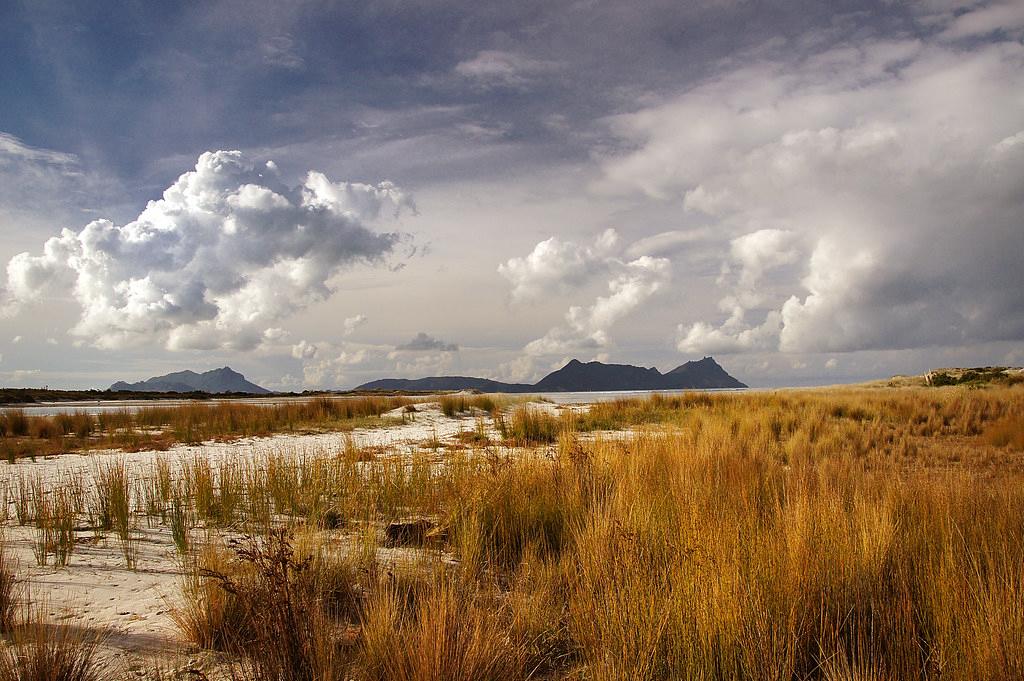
(97, 590)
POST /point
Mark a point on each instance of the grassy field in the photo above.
(823, 534)
(159, 427)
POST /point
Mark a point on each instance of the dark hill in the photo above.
(223, 380)
(704, 373)
(446, 383)
(579, 377)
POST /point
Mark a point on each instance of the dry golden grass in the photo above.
(527, 425)
(41, 651)
(440, 629)
(10, 588)
(158, 427)
(828, 534)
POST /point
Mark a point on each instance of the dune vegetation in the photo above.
(820, 534)
(159, 427)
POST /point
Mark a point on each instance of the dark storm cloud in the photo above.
(131, 83)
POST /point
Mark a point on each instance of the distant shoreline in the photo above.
(41, 397)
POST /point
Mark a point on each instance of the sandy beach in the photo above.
(97, 591)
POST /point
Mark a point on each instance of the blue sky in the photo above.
(812, 192)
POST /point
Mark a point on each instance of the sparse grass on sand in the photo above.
(461, 404)
(39, 650)
(528, 425)
(10, 589)
(158, 427)
(833, 535)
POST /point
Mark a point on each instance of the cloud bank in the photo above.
(871, 194)
(226, 252)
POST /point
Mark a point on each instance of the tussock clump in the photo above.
(457, 405)
(207, 615)
(10, 588)
(41, 651)
(528, 425)
(271, 607)
(441, 629)
(1006, 432)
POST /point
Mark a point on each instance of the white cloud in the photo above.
(332, 365)
(18, 377)
(702, 337)
(521, 369)
(226, 252)
(761, 251)
(587, 328)
(555, 265)
(304, 350)
(1004, 17)
(872, 194)
(754, 255)
(36, 180)
(16, 340)
(352, 323)
(14, 150)
(666, 243)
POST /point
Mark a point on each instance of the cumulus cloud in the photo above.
(557, 266)
(348, 363)
(226, 252)
(350, 324)
(870, 201)
(759, 252)
(330, 367)
(304, 350)
(752, 256)
(423, 342)
(587, 328)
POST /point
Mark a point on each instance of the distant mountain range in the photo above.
(223, 380)
(577, 376)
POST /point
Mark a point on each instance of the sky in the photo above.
(320, 194)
